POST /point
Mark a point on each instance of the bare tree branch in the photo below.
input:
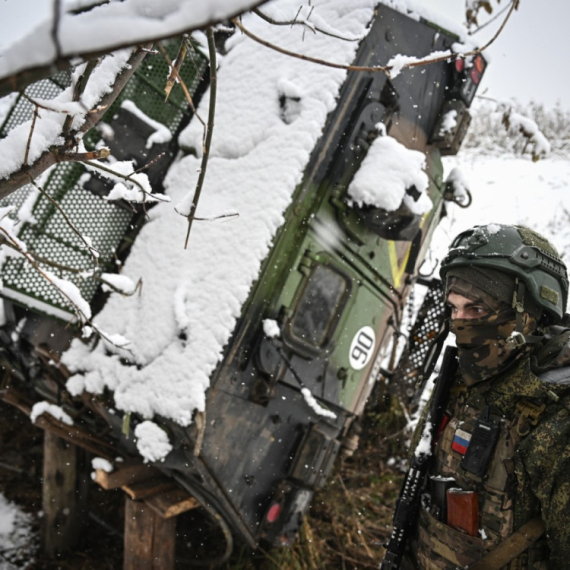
(175, 69)
(380, 68)
(55, 27)
(182, 84)
(94, 253)
(20, 80)
(209, 131)
(57, 154)
(305, 23)
(29, 142)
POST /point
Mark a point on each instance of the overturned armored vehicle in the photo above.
(240, 366)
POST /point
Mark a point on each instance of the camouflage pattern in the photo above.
(486, 346)
(528, 476)
(517, 251)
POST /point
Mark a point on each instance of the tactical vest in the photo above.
(442, 547)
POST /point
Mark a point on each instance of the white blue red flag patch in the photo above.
(461, 441)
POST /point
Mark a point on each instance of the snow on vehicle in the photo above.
(250, 361)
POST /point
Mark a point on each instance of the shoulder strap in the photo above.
(511, 547)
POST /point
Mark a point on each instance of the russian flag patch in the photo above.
(461, 441)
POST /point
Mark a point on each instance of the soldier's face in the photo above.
(463, 308)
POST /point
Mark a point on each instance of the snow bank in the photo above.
(256, 161)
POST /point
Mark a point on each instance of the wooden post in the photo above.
(149, 539)
(61, 524)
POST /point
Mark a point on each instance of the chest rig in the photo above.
(475, 451)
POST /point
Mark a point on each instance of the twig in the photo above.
(175, 69)
(147, 165)
(125, 177)
(495, 17)
(42, 106)
(191, 51)
(55, 27)
(94, 253)
(209, 131)
(382, 68)
(77, 91)
(182, 84)
(214, 218)
(304, 23)
(29, 142)
(82, 318)
(54, 155)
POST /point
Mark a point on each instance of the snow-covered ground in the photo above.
(510, 190)
(16, 537)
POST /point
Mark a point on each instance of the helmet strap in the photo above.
(518, 303)
(518, 306)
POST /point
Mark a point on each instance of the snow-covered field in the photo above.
(510, 190)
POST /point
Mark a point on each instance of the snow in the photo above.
(103, 464)
(398, 62)
(253, 149)
(387, 171)
(123, 283)
(271, 328)
(518, 122)
(459, 184)
(47, 127)
(57, 412)
(448, 123)
(116, 23)
(161, 134)
(152, 441)
(424, 445)
(71, 293)
(315, 406)
(16, 534)
(6, 104)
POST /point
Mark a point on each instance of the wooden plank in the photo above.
(172, 503)
(149, 539)
(61, 499)
(145, 489)
(127, 475)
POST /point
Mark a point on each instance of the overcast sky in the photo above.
(525, 62)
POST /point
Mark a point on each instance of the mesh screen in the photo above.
(422, 334)
(50, 236)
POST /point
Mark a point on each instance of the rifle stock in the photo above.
(410, 494)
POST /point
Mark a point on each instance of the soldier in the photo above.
(500, 468)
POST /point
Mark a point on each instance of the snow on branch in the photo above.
(394, 66)
(110, 26)
(529, 129)
(32, 147)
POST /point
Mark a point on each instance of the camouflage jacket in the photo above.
(528, 474)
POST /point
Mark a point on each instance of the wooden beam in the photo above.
(149, 539)
(172, 503)
(127, 475)
(61, 497)
(146, 489)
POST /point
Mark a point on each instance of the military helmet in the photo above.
(520, 252)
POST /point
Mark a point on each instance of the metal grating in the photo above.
(423, 332)
(50, 236)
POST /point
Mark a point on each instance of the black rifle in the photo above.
(410, 494)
